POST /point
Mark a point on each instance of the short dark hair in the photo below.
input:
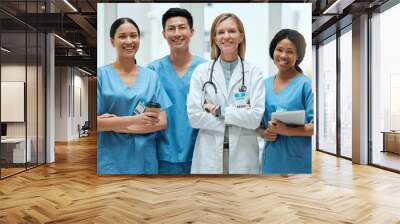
(174, 12)
(298, 41)
(119, 22)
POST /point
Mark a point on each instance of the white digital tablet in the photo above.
(290, 117)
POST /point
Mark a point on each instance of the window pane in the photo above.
(327, 97)
(385, 89)
(346, 94)
(31, 96)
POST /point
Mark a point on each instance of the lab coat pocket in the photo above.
(206, 158)
(244, 157)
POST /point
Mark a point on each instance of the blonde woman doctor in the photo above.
(226, 103)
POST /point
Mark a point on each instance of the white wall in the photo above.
(61, 103)
(14, 72)
(12, 101)
(80, 102)
(105, 52)
(260, 22)
(69, 82)
(34, 123)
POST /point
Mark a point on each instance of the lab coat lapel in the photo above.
(220, 79)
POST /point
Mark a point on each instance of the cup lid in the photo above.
(153, 105)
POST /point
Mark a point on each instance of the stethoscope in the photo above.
(242, 88)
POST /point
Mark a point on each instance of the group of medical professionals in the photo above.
(183, 114)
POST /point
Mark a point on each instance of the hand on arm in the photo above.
(213, 109)
(210, 108)
(266, 134)
(146, 128)
(111, 122)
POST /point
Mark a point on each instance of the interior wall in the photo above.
(17, 73)
(71, 102)
(80, 102)
(61, 103)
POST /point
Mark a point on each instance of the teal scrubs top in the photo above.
(119, 153)
(176, 143)
(288, 154)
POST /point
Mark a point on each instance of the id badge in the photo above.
(240, 99)
(140, 108)
(281, 109)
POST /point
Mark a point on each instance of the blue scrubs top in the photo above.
(119, 153)
(176, 143)
(288, 154)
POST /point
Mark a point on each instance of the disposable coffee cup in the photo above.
(153, 107)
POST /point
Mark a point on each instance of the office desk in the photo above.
(13, 150)
(391, 141)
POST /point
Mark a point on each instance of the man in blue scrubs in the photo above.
(175, 144)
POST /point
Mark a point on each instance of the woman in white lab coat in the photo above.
(226, 104)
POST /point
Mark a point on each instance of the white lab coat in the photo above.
(242, 122)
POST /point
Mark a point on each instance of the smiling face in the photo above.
(178, 33)
(285, 55)
(228, 37)
(126, 40)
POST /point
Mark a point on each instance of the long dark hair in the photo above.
(298, 41)
(119, 22)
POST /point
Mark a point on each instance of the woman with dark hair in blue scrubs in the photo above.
(126, 128)
(287, 148)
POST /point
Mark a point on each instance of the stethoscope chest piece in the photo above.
(243, 88)
(210, 82)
